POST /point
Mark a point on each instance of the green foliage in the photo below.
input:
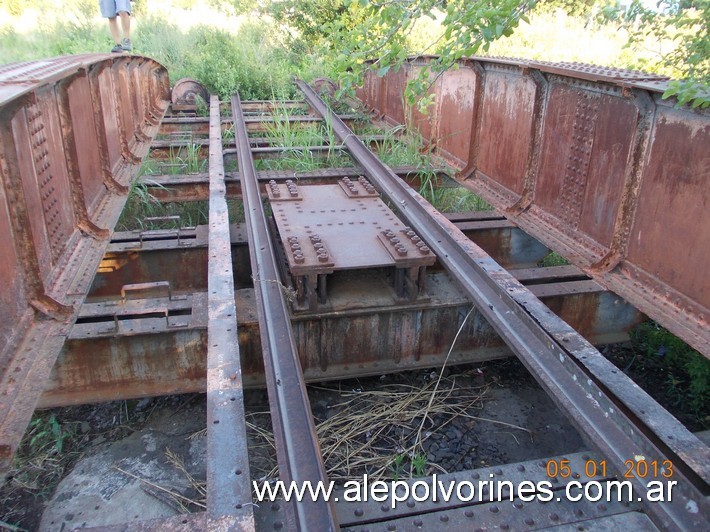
(681, 28)
(688, 370)
(554, 259)
(397, 466)
(419, 462)
(46, 449)
(380, 30)
(694, 93)
(306, 21)
(47, 435)
(252, 58)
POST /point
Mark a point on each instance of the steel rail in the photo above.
(228, 482)
(297, 447)
(540, 340)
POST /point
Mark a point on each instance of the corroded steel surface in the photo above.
(552, 351)
(590, 161)
(102, 361)
(228, 486)
(353, 221)
(297, 447)
(186, 91)
(72, 131)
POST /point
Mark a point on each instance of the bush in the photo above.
(688, 371)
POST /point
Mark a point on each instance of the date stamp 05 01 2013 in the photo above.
(637, 468)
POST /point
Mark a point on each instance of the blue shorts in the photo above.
(110, 8)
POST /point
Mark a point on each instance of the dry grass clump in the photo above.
(377, 432)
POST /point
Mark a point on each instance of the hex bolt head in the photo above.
(318, 245)
(424, 250)
(322, 258)
(394, 240)
(295, 247)
(299, 259)
(402, 251)
(416, 239)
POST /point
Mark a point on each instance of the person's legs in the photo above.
(113, 26)
(123, 7)
(125, 24)
(108, 10)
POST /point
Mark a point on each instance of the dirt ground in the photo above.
(507, 418)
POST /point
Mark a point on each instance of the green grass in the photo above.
(141, 204)
(248, 55)
(688, 372)
(458, 199)
(554, 259)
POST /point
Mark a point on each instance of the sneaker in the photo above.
(118, 49)
(127, 47)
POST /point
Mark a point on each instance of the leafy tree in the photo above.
(378, 30)
(684, 23)
(309, 18)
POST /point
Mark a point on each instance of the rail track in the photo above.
(571, 158)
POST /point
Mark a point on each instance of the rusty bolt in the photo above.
(295, 247)
(402, 251)
(394, 240)
(388, 233)
(292, 239)
(318, 246)
(299, 259)
(424, 250)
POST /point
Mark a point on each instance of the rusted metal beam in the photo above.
(298, 451)
(255, 124)
(228, 479)
(586, 159)
(57, 203)
(103, 361)
(255, 142)
(574, 373)
(193, 187)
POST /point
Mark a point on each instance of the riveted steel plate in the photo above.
(348, 228)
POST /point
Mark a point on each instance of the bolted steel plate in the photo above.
(341, 227)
